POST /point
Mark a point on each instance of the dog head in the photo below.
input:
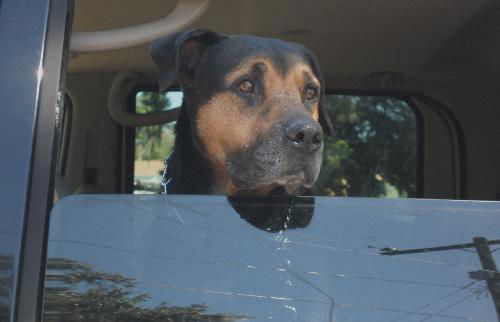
(254, 107)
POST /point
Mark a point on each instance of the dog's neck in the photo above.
(188, 168)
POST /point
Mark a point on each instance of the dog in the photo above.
(252, 122)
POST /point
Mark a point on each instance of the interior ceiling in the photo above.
(424, 41)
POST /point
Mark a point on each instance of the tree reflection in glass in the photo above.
(74, 291)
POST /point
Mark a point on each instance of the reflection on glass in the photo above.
(5, 286)
(489, 273)
(75, 291)
(279, 261)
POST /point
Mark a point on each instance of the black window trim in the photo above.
(43, 164)
(64, 134)
(458, 146)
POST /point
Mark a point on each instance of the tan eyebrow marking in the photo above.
(308, 75)
(245, 68)
(301, 75)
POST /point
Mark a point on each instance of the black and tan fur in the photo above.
(234, 142)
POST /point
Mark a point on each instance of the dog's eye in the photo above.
(311, 92)
(246, 86)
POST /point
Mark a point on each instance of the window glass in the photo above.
(153, 143)
(213, 258)
(372, 152)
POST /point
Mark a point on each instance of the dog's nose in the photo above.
(304, 134)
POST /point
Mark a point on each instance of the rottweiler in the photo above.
(252, 120)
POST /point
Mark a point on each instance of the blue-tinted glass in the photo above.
(305, 259)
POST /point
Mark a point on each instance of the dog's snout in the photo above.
(304, 134)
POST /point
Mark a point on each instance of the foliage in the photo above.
(74, 291)
(152, 142)
(372, 152)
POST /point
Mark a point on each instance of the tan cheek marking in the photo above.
(224, 130)
(221, 127)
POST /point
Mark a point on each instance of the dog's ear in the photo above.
(177, 55)
(324, 118)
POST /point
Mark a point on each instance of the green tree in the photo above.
(372, 152)
(74, 291)
(152, 142)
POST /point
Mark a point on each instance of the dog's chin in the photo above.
(294, 185)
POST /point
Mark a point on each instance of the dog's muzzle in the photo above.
(288, 156)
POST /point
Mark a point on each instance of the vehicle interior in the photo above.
(411, 88)
(440, 57)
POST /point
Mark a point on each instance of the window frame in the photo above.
(64, 129)
(458, 144)
(31, 269)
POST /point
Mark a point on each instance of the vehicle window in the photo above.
(372, 152)
(213, 258)
(153, 143)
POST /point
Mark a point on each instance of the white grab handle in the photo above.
(184, 13)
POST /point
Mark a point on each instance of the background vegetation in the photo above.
(373, 150)
(153, 142)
